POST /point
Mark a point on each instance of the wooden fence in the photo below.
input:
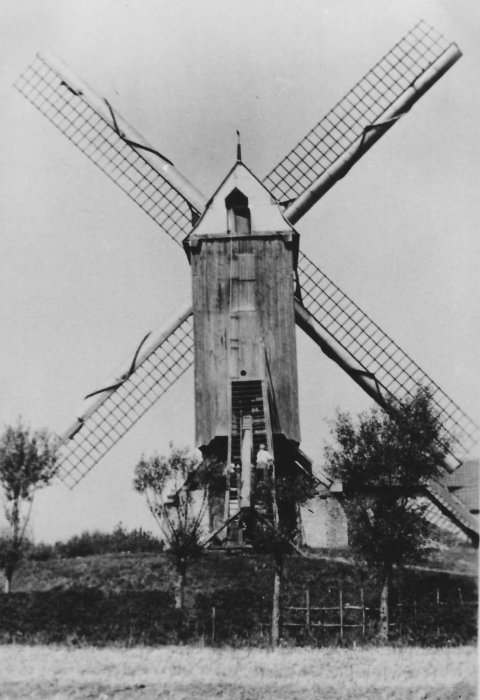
(364, 613)
(312, 612)
(352, 618)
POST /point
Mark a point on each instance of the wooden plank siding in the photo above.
(243, 311)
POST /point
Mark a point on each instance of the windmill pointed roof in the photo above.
(266, 215)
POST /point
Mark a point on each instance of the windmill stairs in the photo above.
(250, 428)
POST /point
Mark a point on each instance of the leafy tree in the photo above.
(384, 459)
(27, 462)
(175, 487)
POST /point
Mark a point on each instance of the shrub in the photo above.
(97, 542)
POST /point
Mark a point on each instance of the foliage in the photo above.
(176, 488)
(27, 463)
(383, 460)
(285, 493)
(164, 481)
(290, 490)
(275, 540)
(295, 486)
(97, 542)
(210, 475)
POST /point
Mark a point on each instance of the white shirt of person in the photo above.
(263, 455)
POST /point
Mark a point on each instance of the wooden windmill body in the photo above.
(251, 285)
(242, 254)
(243, 257)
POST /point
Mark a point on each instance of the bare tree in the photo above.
(27, 463)
(176, 493)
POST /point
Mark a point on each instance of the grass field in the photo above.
(195, 673)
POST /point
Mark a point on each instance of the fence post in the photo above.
(213, 625)
(460, 596)
(340, 601)
(362, 598)
(307, 610)
(399, 613)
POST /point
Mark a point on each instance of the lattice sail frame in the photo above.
(394, 371)
(362, 107)
(106, 146)
(112, 415)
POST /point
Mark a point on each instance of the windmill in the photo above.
(245, 381)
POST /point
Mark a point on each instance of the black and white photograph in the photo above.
(239, 374)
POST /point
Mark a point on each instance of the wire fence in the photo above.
(363, 617)
(427, 617)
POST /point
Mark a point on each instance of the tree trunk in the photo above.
(13, 555)
(276, 607)
(180, 584)
(384, 608)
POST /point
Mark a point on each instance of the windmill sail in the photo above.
(366, 112)
(378, 360)
(116, 409)
(113, 145)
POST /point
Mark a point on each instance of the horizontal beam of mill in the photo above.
(371, 135)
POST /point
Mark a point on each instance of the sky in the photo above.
(84, 273)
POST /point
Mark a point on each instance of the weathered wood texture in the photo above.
(243, 318)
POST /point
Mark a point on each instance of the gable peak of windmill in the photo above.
(240, 206)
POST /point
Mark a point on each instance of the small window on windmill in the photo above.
(238, 213)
